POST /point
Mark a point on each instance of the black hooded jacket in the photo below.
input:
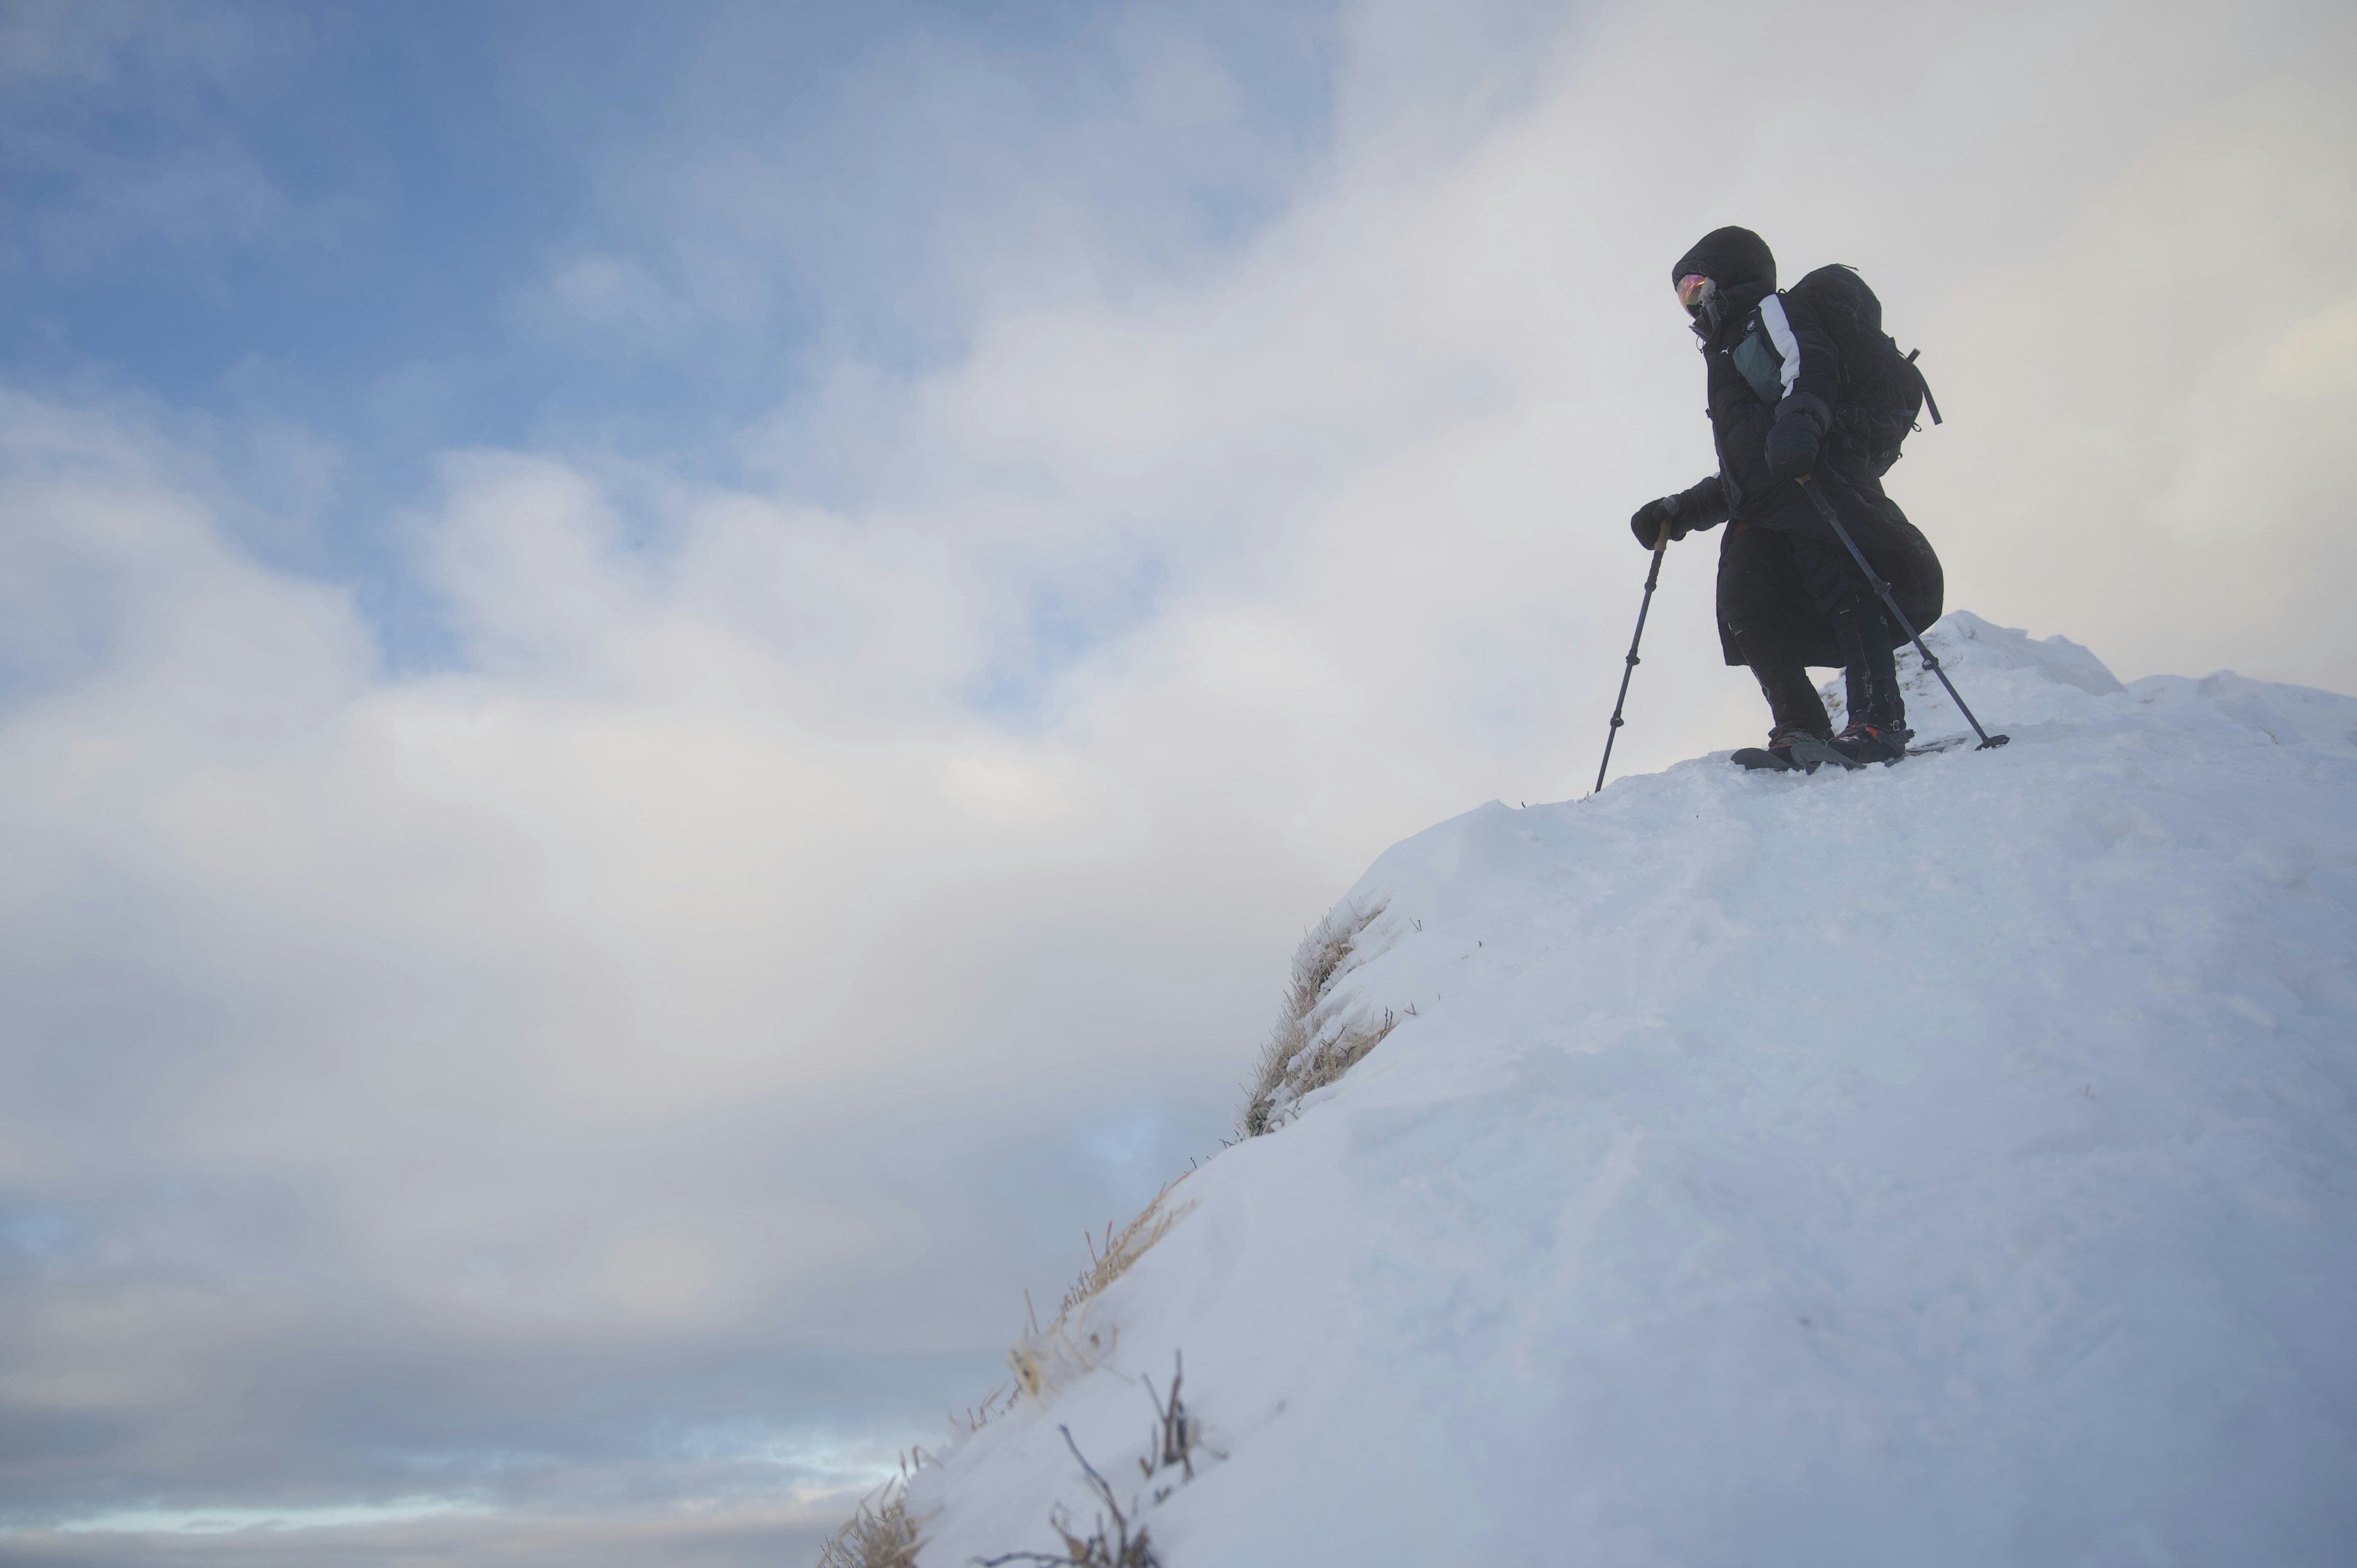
(1768, 360)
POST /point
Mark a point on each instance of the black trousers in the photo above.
(1781, 592)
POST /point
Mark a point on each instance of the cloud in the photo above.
(820, 180)
(85, 42)
(613, 1075)
(612, 305)
(120, 117)
(737, 1536)
(2164, 475)
(552, 1012)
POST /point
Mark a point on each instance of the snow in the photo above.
(1948, 1164)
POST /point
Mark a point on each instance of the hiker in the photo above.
(1790, 596)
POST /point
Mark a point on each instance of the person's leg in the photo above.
(1863, 631)
(1871, 668)
(1868, 663)
(1857, 689)
(1758, 595)
(1794, 705)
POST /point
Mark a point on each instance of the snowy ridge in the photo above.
(1950, 1163)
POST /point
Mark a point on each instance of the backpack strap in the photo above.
(1929, 400)
(1788, 347)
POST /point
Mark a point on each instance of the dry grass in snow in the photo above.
(1111, 1543)
(881, 1535)
(1045, 1351)
(1314, 1042)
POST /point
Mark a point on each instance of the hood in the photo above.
(1731, 257)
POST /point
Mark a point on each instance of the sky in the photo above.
(673, 679)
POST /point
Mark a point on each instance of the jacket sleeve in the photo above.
(1702, 506)
(1810, 367)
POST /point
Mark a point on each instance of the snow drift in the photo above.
(1951, 1163)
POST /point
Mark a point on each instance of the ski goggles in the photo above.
(1694, 291)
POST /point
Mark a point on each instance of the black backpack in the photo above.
(1882, 393)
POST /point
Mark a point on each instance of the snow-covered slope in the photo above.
(1952, 1163)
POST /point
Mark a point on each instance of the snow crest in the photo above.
(1952, 1164)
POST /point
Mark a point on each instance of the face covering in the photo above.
(1699, 295)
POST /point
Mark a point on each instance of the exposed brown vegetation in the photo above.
(977, 1416)
(1176, 1435)
(1032, 1359)
(881, 1535)
(1109, 1545)
(1112, 1261)
(1313, 1044)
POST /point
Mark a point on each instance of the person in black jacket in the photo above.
(1788, 594)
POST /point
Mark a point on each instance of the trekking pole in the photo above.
(1613, 734)
(1931, 659)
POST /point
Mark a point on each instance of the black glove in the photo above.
(1793, 444)
(1654, 516)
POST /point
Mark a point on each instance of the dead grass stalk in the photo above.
(1033, 1360)
(1311, 1046)
(882, 1534)
(1109, 1545)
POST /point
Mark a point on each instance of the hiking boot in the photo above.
(1779, 741)
(1788, 748)
(1863, 743)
